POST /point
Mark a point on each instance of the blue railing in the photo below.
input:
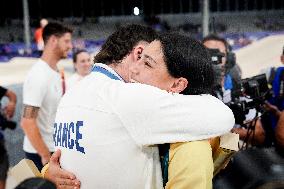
(10, 50)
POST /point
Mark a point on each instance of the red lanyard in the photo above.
(63, 81)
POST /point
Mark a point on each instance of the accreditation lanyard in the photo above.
(63, 83)
(105, 72)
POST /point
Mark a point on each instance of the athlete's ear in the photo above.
(137, 51)
(53, 39)
(179, 84)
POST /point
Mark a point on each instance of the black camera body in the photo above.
(219, 70)
(216, 56)
(256, 87)
(5, 123)
(253, 94)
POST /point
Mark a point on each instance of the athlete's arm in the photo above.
(153, 116)
(29, 125)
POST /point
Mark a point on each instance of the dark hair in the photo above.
(214, 37)
(188, 58)
(54, 28)
(76, 53)
(36, 183)
(121, 42)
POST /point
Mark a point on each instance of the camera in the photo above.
(5, 123)
(256, 87)
(215, 56)
(253, 94)
(219, 70)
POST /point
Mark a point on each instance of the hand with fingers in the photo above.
(10, 109)
(272, 108)
(62, 178)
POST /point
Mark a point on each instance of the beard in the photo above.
(62, 54)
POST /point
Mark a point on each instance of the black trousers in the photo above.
(36, 159)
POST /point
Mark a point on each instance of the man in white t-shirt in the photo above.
(41, 94)
(112, 129)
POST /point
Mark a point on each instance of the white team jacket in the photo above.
(107, 130)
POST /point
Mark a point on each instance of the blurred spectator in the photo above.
(8, 113)
(82, 65)
(38, 34)
(36, 183)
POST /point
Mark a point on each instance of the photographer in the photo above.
(230, 78)
(228, 83)
(5, 115)
(279, 130)
(274, 125)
